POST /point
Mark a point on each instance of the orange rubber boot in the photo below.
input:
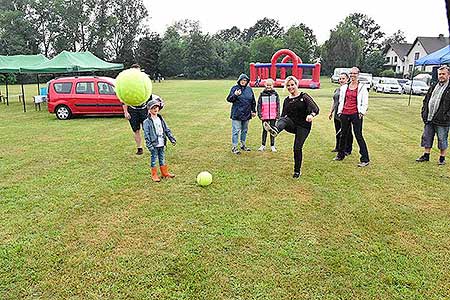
(155, 175)
(165, 172)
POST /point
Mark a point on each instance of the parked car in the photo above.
(402, 83)
(423, 77)
(82, 95)
(337, 72)
(365, 78)
(375, 81)
(388, 85)
(418, 87)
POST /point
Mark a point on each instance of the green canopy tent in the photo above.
(64, 62)
(14, 63)
(73, 62)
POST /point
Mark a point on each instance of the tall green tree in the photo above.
(263, 48)
(200, 56)
(227, 35)
(263, 27)
(148, 52)
(343, 48)
(16, 30)
(374, 63)
(397, 38)
(127, 24)
(172, 53)
(369, 30)
(301, 41)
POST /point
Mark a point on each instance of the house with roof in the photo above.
(423, 46)
(395, 55)
(400, 57)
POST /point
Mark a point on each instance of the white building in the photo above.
(395, 55)
(423, 46)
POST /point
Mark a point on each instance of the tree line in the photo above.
(116, 30)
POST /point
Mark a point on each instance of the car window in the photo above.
(391, 81)
(420, 83)
(105, 88)
(63, 87)
(85, 88)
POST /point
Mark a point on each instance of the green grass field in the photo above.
(80, 217)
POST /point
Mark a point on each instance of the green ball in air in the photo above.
(133, 87)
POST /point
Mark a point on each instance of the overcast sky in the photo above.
(414, 18)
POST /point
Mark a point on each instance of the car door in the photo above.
(85, 98)
(407, 87)
(107, 99)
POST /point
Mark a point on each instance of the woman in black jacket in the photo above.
(299, 110)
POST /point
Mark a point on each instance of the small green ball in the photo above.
(133, 87)
(204, 178)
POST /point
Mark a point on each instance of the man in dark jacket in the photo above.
(436, 116)
(242, 110)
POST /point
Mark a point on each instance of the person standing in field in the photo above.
(268, 111)
(436, 116)
(353, 105)
(343, 79)
(243, 109)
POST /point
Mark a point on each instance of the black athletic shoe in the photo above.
(441, 161)
(245, 148)
(139, 151)
(338, 158)
(297, 175)
(423, 158)
(235, 150)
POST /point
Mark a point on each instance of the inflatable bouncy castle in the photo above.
(259, 72)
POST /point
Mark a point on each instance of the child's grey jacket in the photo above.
(151, 139)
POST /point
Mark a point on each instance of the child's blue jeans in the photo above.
(157, 153)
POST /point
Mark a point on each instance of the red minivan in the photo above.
(86, 95)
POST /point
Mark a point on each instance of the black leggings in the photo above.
(349, 141)
(357, 123)
(301, 133)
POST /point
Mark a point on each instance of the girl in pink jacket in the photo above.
(269, 111)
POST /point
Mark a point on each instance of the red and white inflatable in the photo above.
(259, 72)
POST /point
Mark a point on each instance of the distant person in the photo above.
(343, 79)
(268, 111)
(243, 109)
(258, 81)
(436, 116)
(136, 115)
(299, 110)
(156, 133)
(353, 104)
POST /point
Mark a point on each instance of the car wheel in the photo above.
(63, 112)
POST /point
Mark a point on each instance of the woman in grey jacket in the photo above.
(343, 79)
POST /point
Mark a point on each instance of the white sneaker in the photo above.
(262, 148)
(273, 149)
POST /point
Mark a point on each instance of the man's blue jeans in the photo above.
(238, 126)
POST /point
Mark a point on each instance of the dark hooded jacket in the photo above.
(442, 115)
(244, 104)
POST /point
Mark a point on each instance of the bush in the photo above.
(387, 73)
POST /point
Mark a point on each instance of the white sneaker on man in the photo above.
(262, 148)
(273, 149)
